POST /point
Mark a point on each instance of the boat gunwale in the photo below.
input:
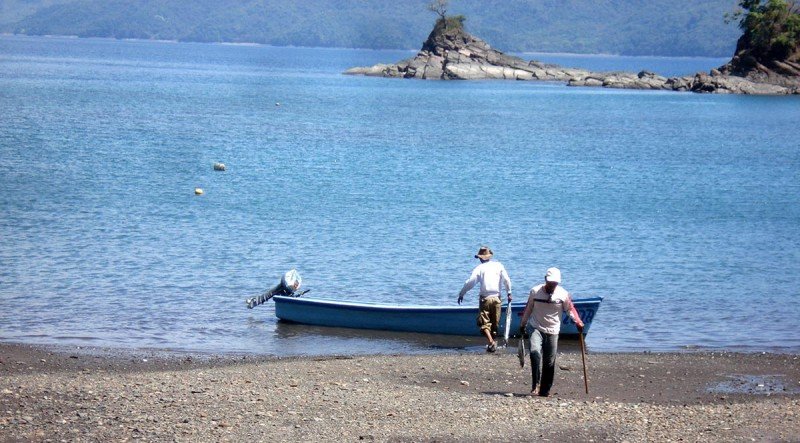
(360, 306)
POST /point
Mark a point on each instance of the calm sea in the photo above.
(682, 210)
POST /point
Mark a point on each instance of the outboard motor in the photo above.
(288, 286)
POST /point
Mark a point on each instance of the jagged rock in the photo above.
(680, 84)
(585, 82)
(620, 80)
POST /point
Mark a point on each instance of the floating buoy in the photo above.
(219, 166)
(198, 191)
(277, 103)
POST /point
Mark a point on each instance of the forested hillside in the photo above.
(12, 11)
(657, 27)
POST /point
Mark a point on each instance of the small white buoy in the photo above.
(277, 103)
(198, 191)
(219, 166)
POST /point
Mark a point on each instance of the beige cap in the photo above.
(553, 274)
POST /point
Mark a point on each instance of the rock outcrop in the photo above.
(620, 80)
(719, 83)
(450, 53)
(764, 66)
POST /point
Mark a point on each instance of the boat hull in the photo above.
(447, 320)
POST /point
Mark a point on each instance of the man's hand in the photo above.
(580, 327)
(460, 299)
(509, 297)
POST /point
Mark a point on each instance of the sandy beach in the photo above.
(65, 394)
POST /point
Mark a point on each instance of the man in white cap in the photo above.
(491, 275)
(542, 315)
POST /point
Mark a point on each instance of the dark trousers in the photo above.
(544, 348)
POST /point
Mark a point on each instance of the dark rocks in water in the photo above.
(730, 84)
(450, 53)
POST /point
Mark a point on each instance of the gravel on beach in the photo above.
(62, 394)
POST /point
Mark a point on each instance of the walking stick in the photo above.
(583, 357)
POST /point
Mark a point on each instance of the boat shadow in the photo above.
(432, 342)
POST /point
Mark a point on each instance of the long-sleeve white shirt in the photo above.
(491, 275)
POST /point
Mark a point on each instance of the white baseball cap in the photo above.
(553, 274)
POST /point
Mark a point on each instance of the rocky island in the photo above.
(451, 53)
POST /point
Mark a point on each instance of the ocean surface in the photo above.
(681, 210)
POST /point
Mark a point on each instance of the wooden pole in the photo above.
(583, 357)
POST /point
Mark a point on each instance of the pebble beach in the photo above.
(71, 394)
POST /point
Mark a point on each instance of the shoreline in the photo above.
(61, 393)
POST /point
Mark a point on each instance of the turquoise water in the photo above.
(682, 210)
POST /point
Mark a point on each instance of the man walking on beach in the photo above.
(491, 275)
(543, 315)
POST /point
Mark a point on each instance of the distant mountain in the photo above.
(12, 11)
(632, 27)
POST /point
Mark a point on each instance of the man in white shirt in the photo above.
(542, 315)
(491, 275)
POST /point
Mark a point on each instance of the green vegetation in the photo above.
(770, 27)
(450, 22)
(634, 27)
(455, 22)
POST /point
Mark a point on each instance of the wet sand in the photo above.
(70, 394)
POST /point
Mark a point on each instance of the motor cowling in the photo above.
(288, 286)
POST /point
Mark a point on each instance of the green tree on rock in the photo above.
(770, 28)
(439, 7)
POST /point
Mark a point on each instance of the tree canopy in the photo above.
(771, 27)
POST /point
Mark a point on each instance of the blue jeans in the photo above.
(544, 348)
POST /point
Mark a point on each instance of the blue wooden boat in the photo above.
(448, 320)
